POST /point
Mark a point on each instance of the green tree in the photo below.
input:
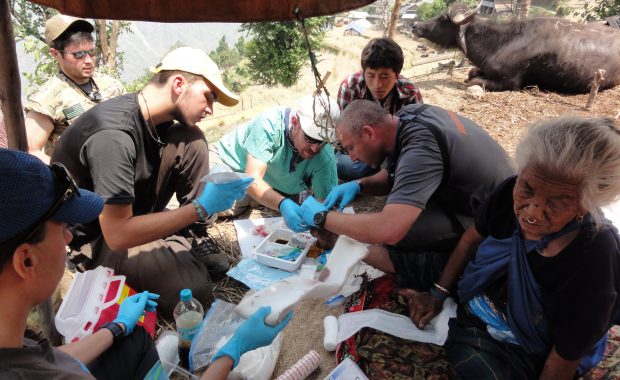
(277, 50)
(429, 10)
(225, 56)
(599, 10)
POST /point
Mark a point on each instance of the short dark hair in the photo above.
(160, 79)
(382, 52)
(75, 33)
(7, 250)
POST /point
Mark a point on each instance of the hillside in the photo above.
(503, 114)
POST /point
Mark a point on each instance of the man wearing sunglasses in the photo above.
(136, 151)
(74, 89)
(282, 149)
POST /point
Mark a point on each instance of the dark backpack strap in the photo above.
(441, 141)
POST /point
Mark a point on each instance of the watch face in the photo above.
(319, 218)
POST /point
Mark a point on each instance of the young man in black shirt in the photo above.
(135, 151)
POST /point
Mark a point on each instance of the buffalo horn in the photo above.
(459, 17)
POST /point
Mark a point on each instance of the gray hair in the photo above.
(584, 150)
(361, 112)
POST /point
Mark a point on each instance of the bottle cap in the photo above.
(186, 295)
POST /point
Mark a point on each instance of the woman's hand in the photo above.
(423, 306)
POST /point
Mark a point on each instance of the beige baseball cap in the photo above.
(197, 62)
(313, 108)
(57, 25)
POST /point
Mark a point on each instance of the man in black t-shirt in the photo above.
(441, 166)
(131, 152)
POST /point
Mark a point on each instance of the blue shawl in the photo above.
(496, 257)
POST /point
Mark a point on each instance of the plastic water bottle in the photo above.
(188, 314)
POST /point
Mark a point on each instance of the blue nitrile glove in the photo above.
(251, 334)
(218, 197)
(311, 207)
(344, 193)
(132, 308)
(291, 212)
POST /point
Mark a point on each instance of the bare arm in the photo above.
(423, 306)
(463, 253)
(38, 130)
(259, 189)
(557, 368)
(219, 369)
(89, 348)
(376, 184)
(386, 227)
(122, 230)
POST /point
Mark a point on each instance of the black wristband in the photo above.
(280, 203)
(116, 330)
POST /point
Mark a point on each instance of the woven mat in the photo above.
(305, 333)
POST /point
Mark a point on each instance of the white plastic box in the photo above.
(85, 301)
(280, 243)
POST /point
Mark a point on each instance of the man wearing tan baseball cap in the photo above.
(136, 151)
(74, 89)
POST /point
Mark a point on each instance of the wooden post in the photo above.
(598, 79)
(10, 84)
(322, 84)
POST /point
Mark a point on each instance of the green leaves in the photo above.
(277, 50)
(599, 10)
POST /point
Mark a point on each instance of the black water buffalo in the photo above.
(552, 53)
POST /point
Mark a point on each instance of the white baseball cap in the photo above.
(197, 62)
(314, 114)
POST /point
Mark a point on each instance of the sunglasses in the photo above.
(82, 53)
(66, 187)
(94, 96)
(312, 140)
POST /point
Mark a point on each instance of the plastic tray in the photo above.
(85, 301)
(281, 243)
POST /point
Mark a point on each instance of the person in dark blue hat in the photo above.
(37, 202)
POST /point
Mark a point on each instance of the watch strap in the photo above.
(115, 329)
(320, 218)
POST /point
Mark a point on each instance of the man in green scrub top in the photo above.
(282, 149)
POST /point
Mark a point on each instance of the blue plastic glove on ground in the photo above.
(132, 308)
(291, 212)
(311, 207)
(252, 334)
(342, 195)
(218, 197)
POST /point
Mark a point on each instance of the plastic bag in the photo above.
(219, 325)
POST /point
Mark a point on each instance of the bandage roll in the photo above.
(304, 367)
(330, 339)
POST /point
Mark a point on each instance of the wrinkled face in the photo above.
(439, 30)
(195, 102)
(544, 204)
(363, 147)
(80, 70)
(52, 254)
(380, 81)
(306, 146)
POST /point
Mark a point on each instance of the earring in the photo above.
(579, 218)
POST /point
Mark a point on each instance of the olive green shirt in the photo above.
(63, 101)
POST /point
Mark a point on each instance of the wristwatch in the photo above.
(319, 218)
(115, 329)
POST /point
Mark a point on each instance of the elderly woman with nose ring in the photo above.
(538, 275)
